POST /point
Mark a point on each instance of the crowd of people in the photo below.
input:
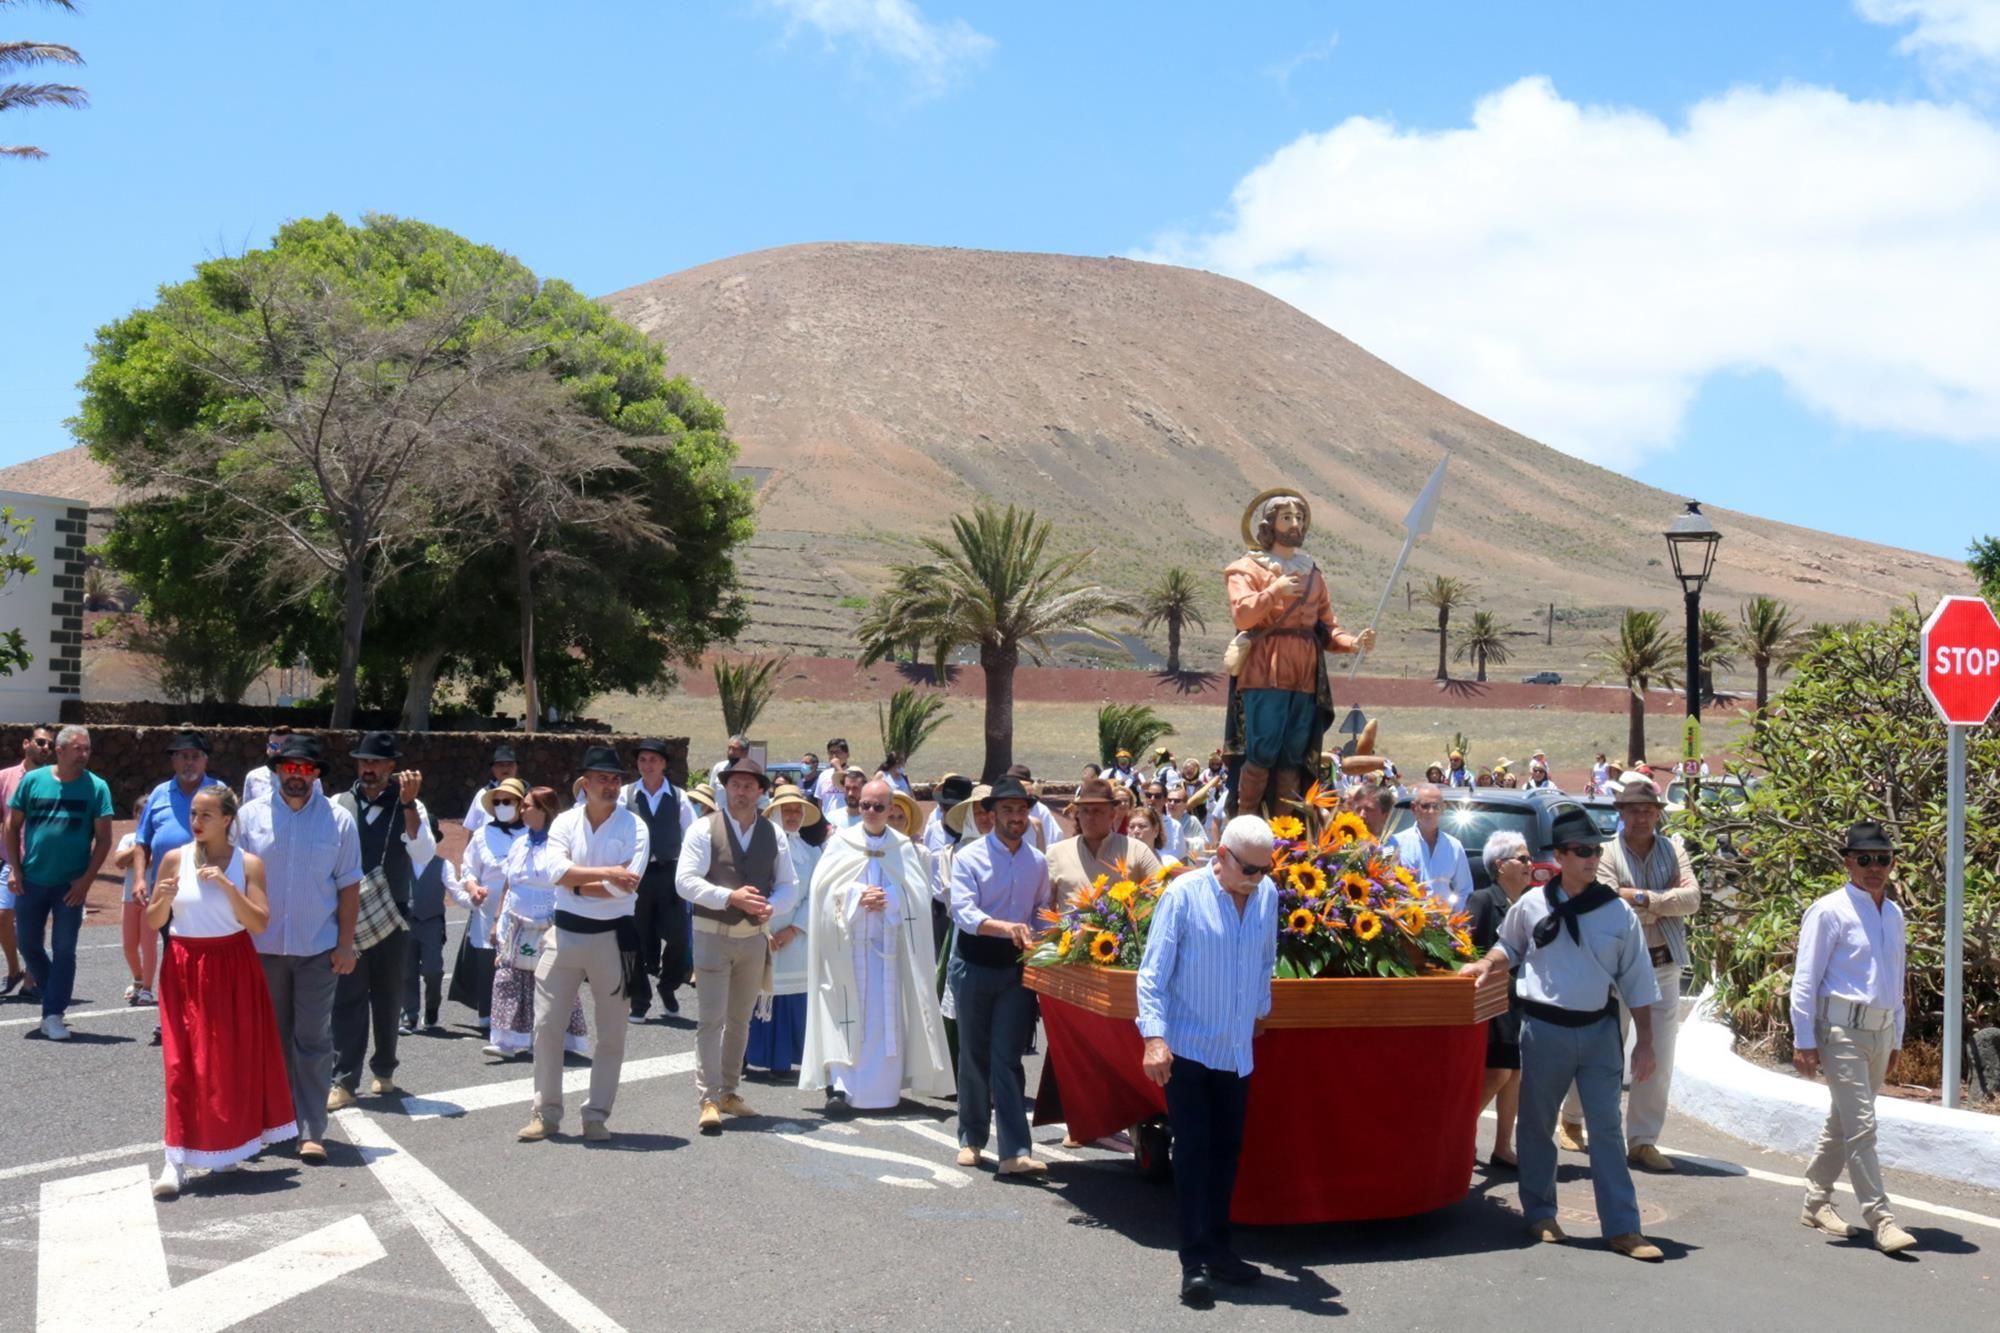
(836, 931)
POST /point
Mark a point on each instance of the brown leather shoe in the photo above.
(1547, 1230)
(1647, 1157)
(731, 1104)
(711, 1118)
(1892, 1239)
(596, 1131)
(1569, 1137)
(382, 1087)
(311, 1150)
(338, 1098)
(968, 1157)
(1824, 1218)
(1635, 1246)
(536, 1129)
(1023, 1166)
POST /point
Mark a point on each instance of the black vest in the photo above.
(382, 843)
(663, 830)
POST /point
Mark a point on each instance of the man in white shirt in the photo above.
(738, 746)
(1435, 857)
(661, 912)
(1847, 1023)
(1183, 835)
(503, 766)
(829, 788)
(844, 809)
(735, 871)
(594, 942)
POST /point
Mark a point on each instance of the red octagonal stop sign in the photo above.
(1961, 658)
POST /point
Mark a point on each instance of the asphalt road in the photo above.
(431, 1215)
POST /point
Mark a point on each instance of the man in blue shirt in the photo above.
(58, 834)
(1435, 857)
(1204, 987)
(164, 823)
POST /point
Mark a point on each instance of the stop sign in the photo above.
(1961, 660)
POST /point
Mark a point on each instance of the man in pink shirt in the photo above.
(38, 748)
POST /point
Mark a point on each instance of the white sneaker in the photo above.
(145, 997)
(493, 1051)
(227, 1167)
(131, 992)
(53, 1029)
(169, 1183)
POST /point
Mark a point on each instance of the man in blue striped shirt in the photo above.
(1204, 987)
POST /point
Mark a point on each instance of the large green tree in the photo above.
(177, 401)
(1643, 655)
(995, 587)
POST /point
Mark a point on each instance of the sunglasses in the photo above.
(1586, 850)
(296, 769)
(40, 742)
(873, 805)
(1874, 858)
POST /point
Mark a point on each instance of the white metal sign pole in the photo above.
(1954, 918)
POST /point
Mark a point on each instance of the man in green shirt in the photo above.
(58, 834)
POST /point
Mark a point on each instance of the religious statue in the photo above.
(1280, 704)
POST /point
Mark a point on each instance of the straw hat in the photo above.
(954, 818)
(909, 806)
(513, 787)
(703, 796)
(785, 794)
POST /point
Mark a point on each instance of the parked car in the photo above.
(1542, 678)
(1474, 814)
(792, 772)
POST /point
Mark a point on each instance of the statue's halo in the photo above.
(1250, 514)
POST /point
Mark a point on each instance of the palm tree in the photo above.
(1172, 602)
(1642, 654)
(26, 96)
(1771, 635)
(1444, 593)
(1485, 641)
(1130, 727)
(1718, 646)
(744, 688)
(995, 587)
(911, 719)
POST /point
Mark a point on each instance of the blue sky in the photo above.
(1736, 250)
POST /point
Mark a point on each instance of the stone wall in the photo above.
(454, 763)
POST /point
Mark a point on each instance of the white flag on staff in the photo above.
(1425, 509)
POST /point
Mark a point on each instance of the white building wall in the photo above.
(47, 607)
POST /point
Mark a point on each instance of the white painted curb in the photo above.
(1776, 1111)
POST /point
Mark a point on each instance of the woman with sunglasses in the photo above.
(1509, 872)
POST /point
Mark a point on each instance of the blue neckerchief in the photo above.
(537, 836)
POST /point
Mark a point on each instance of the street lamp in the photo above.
(1691, 541)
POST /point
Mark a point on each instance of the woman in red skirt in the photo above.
(227, 1095)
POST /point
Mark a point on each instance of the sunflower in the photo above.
(1288, 828)
(1301, 921)
(1123, 892)
(1367, 925)
(1308, 879)
(1408, 881)
(1349, 827)
(1357, 887)
(1063, 944)
(1104, 947)
(1414, 920)
(1462, 941)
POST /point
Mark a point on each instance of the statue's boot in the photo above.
(1250, 783)
(1288, 800)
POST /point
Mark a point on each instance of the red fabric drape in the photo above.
(1345, 1124)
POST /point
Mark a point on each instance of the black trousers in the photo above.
(425, 966)
(661, 916)
(1205, 1109)
(368, 997)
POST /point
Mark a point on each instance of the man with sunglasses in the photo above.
(1204, 987)
(1847, 1023)
(38, 747)
(1577, 949)
(1435, 857)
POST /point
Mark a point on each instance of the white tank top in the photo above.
(200, 910)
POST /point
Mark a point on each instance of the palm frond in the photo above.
(745, 688)
(22, 54)
(26, 96)
(1131, 727)
(911, 718)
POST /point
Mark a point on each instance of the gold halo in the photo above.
(1250, 513)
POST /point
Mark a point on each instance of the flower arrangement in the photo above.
(1345, 908)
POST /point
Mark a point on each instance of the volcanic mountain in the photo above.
(877, 389)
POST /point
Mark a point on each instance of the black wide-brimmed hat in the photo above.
(1867, 836)
(951, 789)
(299, 750)
(1574, 826)
(602, 759)
(652, 745)
(1006, 789)
(377, 745)
(188, 740)
(744, 765)
(503, 754)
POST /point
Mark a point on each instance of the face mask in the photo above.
(504, 811)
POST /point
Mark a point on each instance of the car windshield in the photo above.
(1728, 793)
(1473, 822)
(1605, 817)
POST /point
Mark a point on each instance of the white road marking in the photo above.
(85, 1285)
(406, 1178)
(122, 1011)
(943, 1175)
(521, 1091)
(81, 1159)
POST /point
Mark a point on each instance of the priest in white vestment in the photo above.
(873, 1030)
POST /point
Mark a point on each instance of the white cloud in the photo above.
(935, 52)
(1575, 272)
(1952, 31)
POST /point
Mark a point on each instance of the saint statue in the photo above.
(1280, 704)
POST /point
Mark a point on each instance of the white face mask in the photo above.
(503, 812)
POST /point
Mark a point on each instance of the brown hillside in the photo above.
(875, 389)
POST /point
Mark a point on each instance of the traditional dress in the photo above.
(227, 1091)
(872, 1026)
(483, 863)
(529, 876)
(778, 1040)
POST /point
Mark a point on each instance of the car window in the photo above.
(1472, 823)
(1605, 817)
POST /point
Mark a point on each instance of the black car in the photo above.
(1474, 814)
(1542, 678)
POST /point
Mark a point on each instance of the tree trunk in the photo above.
(1479, 656)
(1635, 730)
(998, 664)
(1444, 622)
(1763, 682)
(1173, 645)
(354, 612)
(423, 686)
(531, 694)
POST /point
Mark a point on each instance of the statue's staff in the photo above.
(1415, 525)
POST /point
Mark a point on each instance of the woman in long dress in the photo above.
(481, 873)
(227, 1094)
(777, 1043)
(526, 915)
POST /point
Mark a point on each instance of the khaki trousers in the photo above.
(1854, 1063)
(728, 974)
(568, 962)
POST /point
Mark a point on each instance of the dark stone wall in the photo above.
(454, 763)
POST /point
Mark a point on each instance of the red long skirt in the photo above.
(227, 1094)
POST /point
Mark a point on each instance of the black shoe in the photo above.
(14, 981)
(1197, 1287)
(1236, 1272)
(670, 1004)
(1499, 1163)
(837, 1105)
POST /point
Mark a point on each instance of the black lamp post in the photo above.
(1691, 541)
